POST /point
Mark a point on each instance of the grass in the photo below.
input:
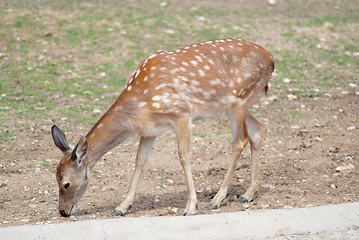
(62, 56)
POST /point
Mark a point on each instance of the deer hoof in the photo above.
(242, 199)
(189, 214)
(212, 206)
(119, 213)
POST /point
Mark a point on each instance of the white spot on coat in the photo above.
(156, 98)
(194, 63)
(152, 55)
(141, 104)
(156, 105)
(201, 73)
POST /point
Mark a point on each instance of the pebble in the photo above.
(307, 145)
(170, 31)
(291, 97)
(96, 111)
(319, 139)
(333, 186)
(272, 2)
(3, 184)
(333, 149)
(346, 169)
(351, 128)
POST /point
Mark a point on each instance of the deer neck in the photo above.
(115, 126)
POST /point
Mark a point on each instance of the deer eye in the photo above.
(67, 185)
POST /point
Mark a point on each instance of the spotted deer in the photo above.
(169, 90)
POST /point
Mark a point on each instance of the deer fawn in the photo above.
(168, 90)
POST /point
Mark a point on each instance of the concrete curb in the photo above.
(306, 223)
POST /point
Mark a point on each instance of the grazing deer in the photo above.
(169, 90)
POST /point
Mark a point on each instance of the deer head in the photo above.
(72, 173)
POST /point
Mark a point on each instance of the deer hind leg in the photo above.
(240, 141)
(183, 132)
(143, 151)
(255, 133)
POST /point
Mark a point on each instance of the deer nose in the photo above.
(62, 213)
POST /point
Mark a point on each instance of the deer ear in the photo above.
(60, 139)
(80, 151)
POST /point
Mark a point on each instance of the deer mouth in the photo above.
(64, 214)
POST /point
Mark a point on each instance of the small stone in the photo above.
(170, 31)
(97, 111)
(353, 85)
(351, 128)
(201, 18)
(333, 149)
(272, 2)
(307, 145)
(333, 186)
(296, 127)
(291, 97)
(346, 169)
(318, 139)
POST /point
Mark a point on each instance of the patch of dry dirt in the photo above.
(299, 162)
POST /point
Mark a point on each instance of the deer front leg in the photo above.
(143, 151)
(183, 133)
(238, 146)
(255, 132)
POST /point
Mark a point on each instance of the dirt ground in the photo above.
(298, 165)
